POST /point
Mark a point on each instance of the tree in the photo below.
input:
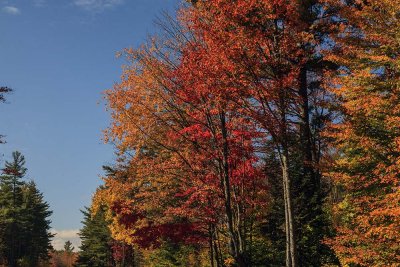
(68, 247)
(3, 90)
(24, 225)
(231, 81)
(37, 239)
(97, 243)
(367, 166)
(200, 149)
(63, 258)
(12, 209)
(265, 56)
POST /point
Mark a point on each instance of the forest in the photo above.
(252, 133)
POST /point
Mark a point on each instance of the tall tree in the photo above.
(12, 208)
(200, 149)
(97, 243)
(266, 56)
(233, 80)
(37, 237)
(367, 167)
(24, 225)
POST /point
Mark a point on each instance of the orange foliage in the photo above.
(63, 259)
(369, 85)
(187, 153)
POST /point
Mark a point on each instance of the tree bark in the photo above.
(235, 245)
(291, 260)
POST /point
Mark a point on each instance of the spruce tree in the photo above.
(68, 247)
(11, 215)
(37, 238)
(96, 248)
(24, 225)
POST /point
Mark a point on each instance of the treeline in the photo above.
(65, 257)
(259, 133)
(24, 218)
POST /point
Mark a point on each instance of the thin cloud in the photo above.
(62, 236)
(39, 3)
(12, 10)
(97, 5)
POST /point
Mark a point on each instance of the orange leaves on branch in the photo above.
(369, 231)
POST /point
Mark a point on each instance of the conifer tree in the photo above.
(68, 247)
(24, 224)
(11, 201)
(37, 237)
(96, 248)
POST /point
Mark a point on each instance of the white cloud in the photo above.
(12, 10)
(97, 5)
(39, 3)
(61, 236)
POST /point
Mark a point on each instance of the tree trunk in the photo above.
(235, 245)
(291, 260)
(289, 223)
(211, 241)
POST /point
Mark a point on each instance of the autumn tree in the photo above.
(266, 57)
(200, 148)
(367, 167)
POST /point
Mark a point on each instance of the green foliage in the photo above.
(68, 247)
(96, 248)
(24, 225)
(174, 255)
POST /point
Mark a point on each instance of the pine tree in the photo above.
(68, 247)
(37, 237)
(11, 200)
(96, 248)
(24, 225)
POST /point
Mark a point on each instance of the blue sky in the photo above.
(58, 56)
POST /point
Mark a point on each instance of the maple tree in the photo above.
(265, 53)
(218, 174)
(367, 215)
(231, 101)
(200, 148)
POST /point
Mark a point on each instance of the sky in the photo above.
(59, 56)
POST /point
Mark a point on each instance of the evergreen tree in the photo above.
(11, 215)
(37, 238)
(68, 247)
(24, 225)
(96, 248)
